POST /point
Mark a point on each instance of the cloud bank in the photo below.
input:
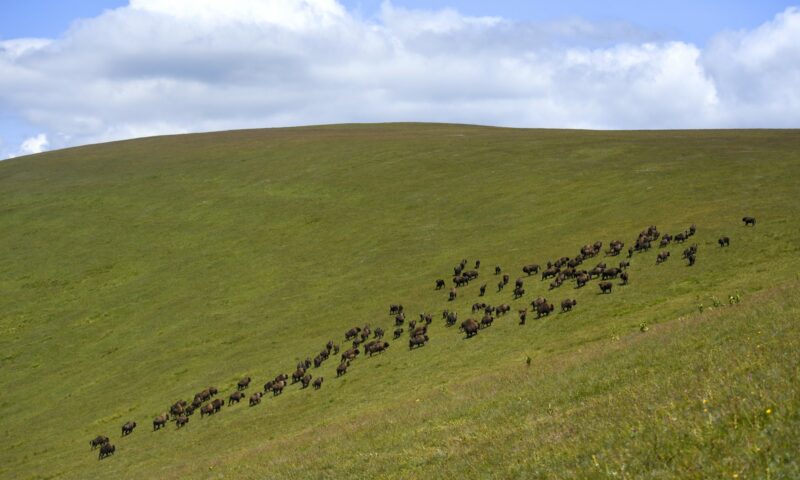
(175, 66)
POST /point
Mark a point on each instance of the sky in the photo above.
(83, 71)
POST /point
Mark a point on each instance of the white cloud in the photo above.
(172, 66)
(31, 145)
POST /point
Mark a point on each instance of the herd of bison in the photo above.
(371, 341)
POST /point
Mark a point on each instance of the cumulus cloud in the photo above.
(174, 66)
(36, 144)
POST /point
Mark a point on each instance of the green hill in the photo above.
(137, 273)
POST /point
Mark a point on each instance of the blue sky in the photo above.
(689, 20)
(157, 67)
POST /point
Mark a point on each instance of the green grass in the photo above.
(137, 273)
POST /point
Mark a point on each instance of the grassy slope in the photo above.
(137, 273)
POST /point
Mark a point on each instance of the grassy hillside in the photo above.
(137, 273)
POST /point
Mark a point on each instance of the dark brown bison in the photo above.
(106, 450)
(379, 333)
(181, 421)
(544, 309)
(97, 441)
(453, 294)
(497, 270)
(692, 258)
(530, 269)
(623, 265)
(724, 241)
(207, 409)
(127, 429)
(471, 275)
(342, 368)
(398, 332)
(399, 319)
(503, 309)
(581, 280)
(523, 314)
(482, 290)
(440, 284)
(395, 309)
(306, 380)
(566, 305)
(749, 221)
(519, 292)
(550, 272)
(452, 318)
(487, 321)
(255, 398)
(318, 383)
(243, 383)
(662, 257)
(298, 374)
(470, 327)
(605, 287)
(235, 397)
(477, 264)
(624, 277)
(417, 341)
(352, 333)
(506, 279)
(160, 421)
(218, 403)
(610, 273)
(478, 306)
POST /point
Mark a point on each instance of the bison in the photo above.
(255, 398)
(235, 397)
(417, 341)
(277, 387)
(342, 368)
(160, 421)
(662, 257)
(453, 294)
(207, 409)
(352, 333)
(544, 309)
(749, 221)
(398, 332)
(624, 277)
(724, 241)
(181, 421)
(98, 440)
(127, 429)
(317, 383)
(605, 287)
(243, 383)
(566, 305)
(106, 450)
(440, 284)
(470, 327)
(530, 269)
(523, 314)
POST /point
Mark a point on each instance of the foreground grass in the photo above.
(140, 272)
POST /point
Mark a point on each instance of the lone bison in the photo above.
(724, 241)
(749, 221)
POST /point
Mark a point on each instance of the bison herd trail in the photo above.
(559, 273)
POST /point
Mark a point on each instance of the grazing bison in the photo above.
(605, 287)
(749, 221)
(523, 314)
(106, 450)
(235, 397)
(566, 305)
(398, 332)
(243, 383)
(127, 429)
(277, 387)
(470, 327)
(440, 284)
(255, 398)
(97, 441)
(317, 383)
(471, 275)
(417, 341)
(453, 294)
(624, 277)
(530, 269)
(724, 241)
(181, 421)
(550, 272)
(160, 421)
(662, 257)
(352, 333)
(342, 368)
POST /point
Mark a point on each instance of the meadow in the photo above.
(137, 273)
